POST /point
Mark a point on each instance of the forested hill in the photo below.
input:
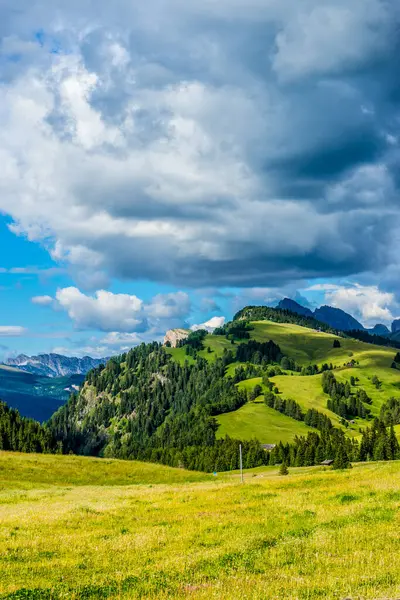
(248, 380)
(278, 315)
(146, 405)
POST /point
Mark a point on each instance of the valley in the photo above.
(36, 396)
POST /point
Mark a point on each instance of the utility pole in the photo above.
(241, 463)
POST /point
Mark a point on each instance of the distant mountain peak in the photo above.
(54, 365)
(379, 329)
(337, 318)
(293, 306)
(396, 326)
(334, 317)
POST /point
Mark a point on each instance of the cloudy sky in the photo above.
(166, 162)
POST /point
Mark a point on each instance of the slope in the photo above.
(256, 420)
(308, 346)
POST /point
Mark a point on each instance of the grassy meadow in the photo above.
(256, 420)
(78, 528)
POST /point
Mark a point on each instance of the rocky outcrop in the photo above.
(174, 336)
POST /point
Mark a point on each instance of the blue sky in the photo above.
(171, 164)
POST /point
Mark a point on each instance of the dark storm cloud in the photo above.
(204, 144)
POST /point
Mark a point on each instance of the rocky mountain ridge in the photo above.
(54, 365)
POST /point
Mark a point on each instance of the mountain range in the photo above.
(38, 385)
(338, 318)
(54, 365)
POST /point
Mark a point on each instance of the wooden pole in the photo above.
(241, 463)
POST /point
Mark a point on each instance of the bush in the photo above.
(283, 469)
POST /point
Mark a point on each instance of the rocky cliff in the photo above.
(173, 336)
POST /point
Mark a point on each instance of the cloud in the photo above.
(365, 302)
(210, 325)
(323, 287)
(49, 272)
(330, 38)
(242, 143)
(105, 311)
(124, 313)
(12, 331)
(42, 300)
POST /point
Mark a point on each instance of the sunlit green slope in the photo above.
(308, 346)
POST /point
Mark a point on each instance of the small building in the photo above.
(268, 447)
(327, 463)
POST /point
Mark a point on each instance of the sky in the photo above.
(167, 163)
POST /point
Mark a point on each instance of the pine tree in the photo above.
(341, 460)
(283, 469)
(394, 444)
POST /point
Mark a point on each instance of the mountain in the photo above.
(293, 306)
(36, 396)
(54, 365)
(334, 317)
(396, 326)
(337, 318)
(379, 329)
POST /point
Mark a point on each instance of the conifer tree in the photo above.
(283, 469)
(341, 460)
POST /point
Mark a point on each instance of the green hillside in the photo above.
(191, 406)
(308, 346)
(83, 528)
(255, 420)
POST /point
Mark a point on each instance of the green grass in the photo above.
(179, 355)
(216, 343)
(255, 420)
(307, 346)
(33, 470)
(307, 391)
(313, 534)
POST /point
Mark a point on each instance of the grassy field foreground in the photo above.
(313, 534)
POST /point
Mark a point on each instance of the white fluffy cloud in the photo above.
(210, 325)
(123, 315)
(42, 300)
(12, 331)
(140, 140)
(367, 303)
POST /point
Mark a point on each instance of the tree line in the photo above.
(20, 434)
(292, 409)
(342, 401)
(278, 315)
